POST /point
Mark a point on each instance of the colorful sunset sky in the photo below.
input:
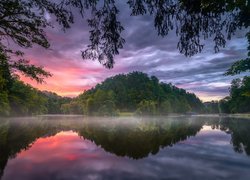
(144, 51)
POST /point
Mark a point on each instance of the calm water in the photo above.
(75, 147)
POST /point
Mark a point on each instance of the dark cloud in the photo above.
(144, 51)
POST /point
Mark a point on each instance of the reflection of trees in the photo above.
(239, 129)
(19, 135)
(140, 139)
(134, 138)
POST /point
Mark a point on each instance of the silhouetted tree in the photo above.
(193, 20)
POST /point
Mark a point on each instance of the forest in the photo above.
(134, 93)
(137, 92)
(238, 100)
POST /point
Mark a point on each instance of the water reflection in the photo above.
(52, 144)
(137, 140)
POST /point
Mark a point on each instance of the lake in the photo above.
(77, 147)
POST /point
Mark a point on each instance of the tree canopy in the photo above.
(139, 93)
(242, 65)
(24, 22)
(238, 100)
(239, 97)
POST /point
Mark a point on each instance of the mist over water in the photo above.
(78, 147)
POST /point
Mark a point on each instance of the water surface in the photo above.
(76, 147)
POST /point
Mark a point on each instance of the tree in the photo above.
(239, 99)
(193, 20)
(25, 100)
(54, 102)
(136, 91)
(90, 108)
(11, 95)
(146, 108)
(72, 108)
(242, 65)
(165, 107)
(108, 108)
(8, 69)
(4, 101)
(212, 107)
(4, 104)
(101, 102)
(24, 26)
(224, 105)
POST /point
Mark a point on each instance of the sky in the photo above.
(144, 51)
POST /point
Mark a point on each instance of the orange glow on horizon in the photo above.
(57, 84)
(71, 78)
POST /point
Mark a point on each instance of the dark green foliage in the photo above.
(4, 104)
(54, 102)
(238, 129)
(102, 102)
(241, 65)
(22, 99)
(146, 108)
(165, 107)
(90, 106)
(16, 98)
(5, 72)
(137, 91)
(25, 100)
(31, 71)
(212, 107)
(5, 84)
(107, 109)
(237, 102)
(224, 105)
(9, 67)
(72, 107)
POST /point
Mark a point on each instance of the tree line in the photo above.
(136, 92)
(133, 92)
(238, 100)
(18, 98)
(24, 100)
